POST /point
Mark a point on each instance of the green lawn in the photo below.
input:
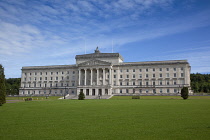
(147, 118)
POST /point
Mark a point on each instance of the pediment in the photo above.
(94, 62)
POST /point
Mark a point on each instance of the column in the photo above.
(97, 78)
(79, 78)
(110, 76)
(104, 76)
(85, 76)
(91, 77)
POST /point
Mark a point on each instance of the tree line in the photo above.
(200, 83)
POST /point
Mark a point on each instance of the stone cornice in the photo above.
(49, 67)
(99, 55)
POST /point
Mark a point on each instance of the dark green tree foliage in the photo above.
(200, 82)
(184, 93)
(81, 96)
(12, 86)
(2, 86)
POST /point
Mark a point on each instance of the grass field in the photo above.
(120, 118)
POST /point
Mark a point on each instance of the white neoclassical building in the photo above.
(106, 74)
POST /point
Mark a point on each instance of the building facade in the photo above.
(106, 74)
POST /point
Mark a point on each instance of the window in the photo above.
(73, 72)
(25, 79)
(114, 70)
(120, 90)
(62, 72)
(45, 78)
(147, 70)
(160, 69)
(56, 85)
(127, 83)
(114, 76)
(153, 69)
(67, 72)
(114, 83)
(175, 90)
(57, 73)
(62, 77)
(30, 73)
(40, 85)
(140, 83)
(56, 78)
(50, 85)
(134, 83)
(34, 84)
(121, 76)
(167, 82)
(121, 83)
(154, 91)
(134, 76)
(62, 84)
(182, 68)
(167, 69)
(127, 76)
(147, 75)
(153, 83)
(153, 75)
(51, 78)
(40, 73)
(168, 90)
(51, 73)
(34, 78)
(35, 73)
(140, 75)
(120, 70)
(39, 92)
(174, 69)
(46, 73)
(147, 91)
(25, 74)
(182, 74)
(167, 75)
(174, 82)
(147, 83)
(161, 91)
(139, 70)
(67, 77)
(127, 70)
(133, 70)
(29, 78)
(45, 85)
(160, 82)
(72, 83)
(160, 74)
(40, 78)
(174, 74)
(140, 91)
(126, 90)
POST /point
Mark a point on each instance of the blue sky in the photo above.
(52, 32)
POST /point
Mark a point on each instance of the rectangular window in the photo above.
(51, 78)
(147, 83)
(51, 73)
(35, 73)
(126, 90)
(153, 69)
(73, 72)
(182, 68)
(161, 91)
(134, 76)
(174, 74)
(139, 70)
(127, 70)
(174, 82)
(62, 77)
(160, 69)
(40, 73)
(114, 76)
(120, 90)
(167, 75)
(34, 78)
(147, 76)
(140, 75)
(121, 83)
(62, 72)
(45, 78)
(40, 78)
(133, 70)
(154, 91)
(175, 90)
(153, 83)
(160, 74)
(67, 72)
(120, 70)
(114, 70)
(182, 74)
(140, 83)
(147, 70)
(153, 75)
(30, 73)
(167, 82)
(57, 73)
(127, 83)
(168, 90)
(127, 76)
(46, 73)
(134, 83)
(56, 78)
(167, 69)
(121, 76)
(174, 69)
(140, 91)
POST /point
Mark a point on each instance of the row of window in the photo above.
(51, 73)
(149, 91)
(147, 83)
(50, 85)
(49, 92)
(151, 69)
(153, 75)
(48, 78)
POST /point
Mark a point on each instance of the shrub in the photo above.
(81, 96)
(0, 104)
(184, 93)
(135, 97)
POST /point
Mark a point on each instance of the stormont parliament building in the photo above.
(105, 74)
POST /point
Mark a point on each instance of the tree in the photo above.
(2, 86)
(184, 93)
(81, 96)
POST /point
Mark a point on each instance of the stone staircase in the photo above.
(73, 96)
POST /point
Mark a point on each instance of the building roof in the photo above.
(98, 54)
(49, 67)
